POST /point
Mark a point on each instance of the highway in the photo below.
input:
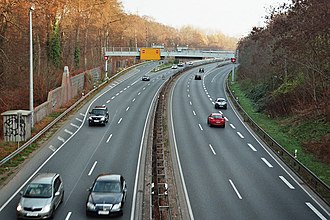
(79, 152)
(228, 173)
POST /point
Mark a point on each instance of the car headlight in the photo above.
(116, 206)
(103, 118)
(90, 206)
(46, 208)
(90, 118)
(19, 207)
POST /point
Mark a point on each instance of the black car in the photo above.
(98, 116)
(198, 77)
(145, 78)
(107, 195)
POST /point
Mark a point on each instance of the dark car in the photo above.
(107, 195)
(201, 70)
(198, 77)
(220, 103)
(216, 119)
(98, 116)
(145, 78)
(41, 197)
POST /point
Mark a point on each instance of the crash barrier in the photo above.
(317, 185)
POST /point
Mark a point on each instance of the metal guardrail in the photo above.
(317, 185)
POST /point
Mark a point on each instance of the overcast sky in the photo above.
(231, 17)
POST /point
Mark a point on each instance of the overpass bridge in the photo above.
(188, 53)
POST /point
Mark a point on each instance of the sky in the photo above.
(233, 18)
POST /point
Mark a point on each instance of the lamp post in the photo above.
(31, 67)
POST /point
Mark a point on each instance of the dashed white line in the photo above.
(109, 138)
(117, 94)
(139, 93)
(266, 162)
(108, 101)
(220, 112)
(69, 132)
(212, 149)
(231, 125)
(82, 114)
(240, 135)
(200, 126)
(209, 97)
(144, 88)
(74, 125)
(52, 148)
(125, 89)
(68, 216)
(286, 182)
(133, 100)
(252, 148)
(234, 187)
(188, 96)
(226, 118)
(319, 214)
(61, 139)
(113, 97)
(190, 102)
(93, 167)
(194, 112)
(120, 120)
(78, 119)
(127, 108)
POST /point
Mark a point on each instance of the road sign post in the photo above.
(106, 58)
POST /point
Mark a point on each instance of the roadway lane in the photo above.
(79, 152)
(228, 173)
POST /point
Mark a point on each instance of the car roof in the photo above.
(100, 107)
(45, 178)
(108, 177)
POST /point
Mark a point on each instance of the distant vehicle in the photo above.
(145, 78)
(201, 70)
(190, 63)
(98, 116)
(41, 197)
(107, 195)
(220, 103)
(180, 64)
(198, 77)
(174, 66)
(216, 119)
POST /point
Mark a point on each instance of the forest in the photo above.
(284, 69)
(76, 33)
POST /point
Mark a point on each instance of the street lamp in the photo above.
(31, 66)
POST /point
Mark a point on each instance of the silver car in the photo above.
(41, 197)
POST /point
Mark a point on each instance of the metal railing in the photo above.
(317, 185)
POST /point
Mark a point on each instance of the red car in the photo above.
(216, 119)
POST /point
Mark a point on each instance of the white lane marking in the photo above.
(120, 120)
(113, 97)
(125, 89)
(251, 146)
(128, 86)
(133, 100)
(69, 132)
(190, 102)
(127, 108)
(108, 101)
(68, 216)
(188, 96)
(187, 90)
(109, 138)
(266, 162)
(52, 148)
(139, 93)
(231, 125)
(200, 126)
(207, 94)
(74, 125)
(133, 83)
(117, 94)
(226, 118)
(239, 134)
(78, 119)
(82, 114)
(210, 99)
(220, 112)
(93, 167)
(319, 214)
(194, 112)
(144, 88)
(286, 182)
(212, 149)
(213, 103)
(234, 187)
(61, 139)
(121, 91)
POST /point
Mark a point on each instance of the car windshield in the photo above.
(107, 187)
(37, 190)
(217, 116)
(221, 100)
(98, 112)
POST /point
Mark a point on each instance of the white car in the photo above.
(220, 103)
(174, 66)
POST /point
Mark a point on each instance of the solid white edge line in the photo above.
(266, 162)
(286, 182)
(139, 158)
(92, 169)
(212, 149)
(109, 138)
(235, 189)
(319, 214)
(179, 163)
(68, 216)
